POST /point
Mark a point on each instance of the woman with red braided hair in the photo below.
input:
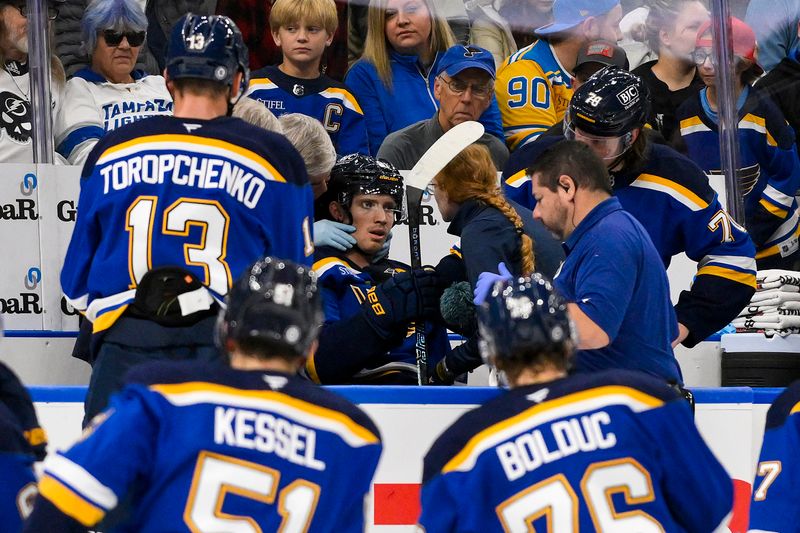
(493, 229)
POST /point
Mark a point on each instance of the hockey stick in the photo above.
(431, 163)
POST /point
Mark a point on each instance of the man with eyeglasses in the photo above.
(110, 92)
(368, 334)
(16, 128)
(464, 86)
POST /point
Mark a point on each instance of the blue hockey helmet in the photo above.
(523, 318)
(208, 47)
(276, 304)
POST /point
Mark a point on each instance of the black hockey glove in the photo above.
(407, 296)
(441, 375)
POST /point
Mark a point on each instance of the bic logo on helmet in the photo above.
(629, 96)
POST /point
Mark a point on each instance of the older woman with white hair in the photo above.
(109, 93)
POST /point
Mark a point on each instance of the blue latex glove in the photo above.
(383, 253)
(336, 234)
(486, 281)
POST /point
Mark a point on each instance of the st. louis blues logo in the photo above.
(470, 51)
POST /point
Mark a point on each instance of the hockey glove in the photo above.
(407, 296)
(486, 281)
(441, 375)
(334, 234)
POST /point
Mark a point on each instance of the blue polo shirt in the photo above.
(615, 275)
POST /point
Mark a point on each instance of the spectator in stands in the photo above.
(769, 173)
(392, 81)
(16, 144)
(252, 17)
(672, 79)
(303, 29)
(775, 25)
(492, 230)
(110, 92)
(161, 15)
(534, 85)
(782, 83)
(464, 86)
(524, 16)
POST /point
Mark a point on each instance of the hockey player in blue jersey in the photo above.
(368, 335)
(610, 451)
(303, 29)
(172, 209)
(774, 508)
(22, 442)
(666, 192)
(244, 446)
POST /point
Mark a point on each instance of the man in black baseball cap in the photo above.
(595, 56)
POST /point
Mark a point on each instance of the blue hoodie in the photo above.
(409, 101)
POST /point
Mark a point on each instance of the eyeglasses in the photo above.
(700, 55)
(460, 87)
(52, 11)
(114, 38)
(389, 209)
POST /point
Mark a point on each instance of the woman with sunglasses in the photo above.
(769, 171)
(110, 92)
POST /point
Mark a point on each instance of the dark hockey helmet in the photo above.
(523, 317)
(276, 303)
(612, 102)
(208, 47)
(362, 174)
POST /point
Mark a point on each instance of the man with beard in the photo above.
(15, 87)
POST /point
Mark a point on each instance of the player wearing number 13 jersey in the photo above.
(613, 451)
(241, 447)
(201, 191)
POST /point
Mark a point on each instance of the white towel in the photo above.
(770, 332)
(769, 279)
(767, 322)
(774, 297)
(754, 309)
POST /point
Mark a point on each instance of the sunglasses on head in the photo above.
(114, 38)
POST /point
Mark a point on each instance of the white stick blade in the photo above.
(442, 152)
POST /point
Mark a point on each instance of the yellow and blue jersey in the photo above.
(774, 502)
(533, 91)
(670, 196)
(209, 448)
(210, 196)
(327, 100)
(347, 352)
(769, 171)
(611, 451)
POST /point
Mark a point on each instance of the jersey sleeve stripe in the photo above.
(81, 481)
(194, 393)
(518, 179)
(692, 125)
(776, 248)
(778, 197)
(344, 96)
(675, 190)
(744, 278)
(78, 303)
(193, 143)
(773, 209)
(70, 503)
(570, 405)
(795, 409)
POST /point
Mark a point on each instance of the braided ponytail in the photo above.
(472, 175)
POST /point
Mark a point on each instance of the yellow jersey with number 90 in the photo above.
(533, 90)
